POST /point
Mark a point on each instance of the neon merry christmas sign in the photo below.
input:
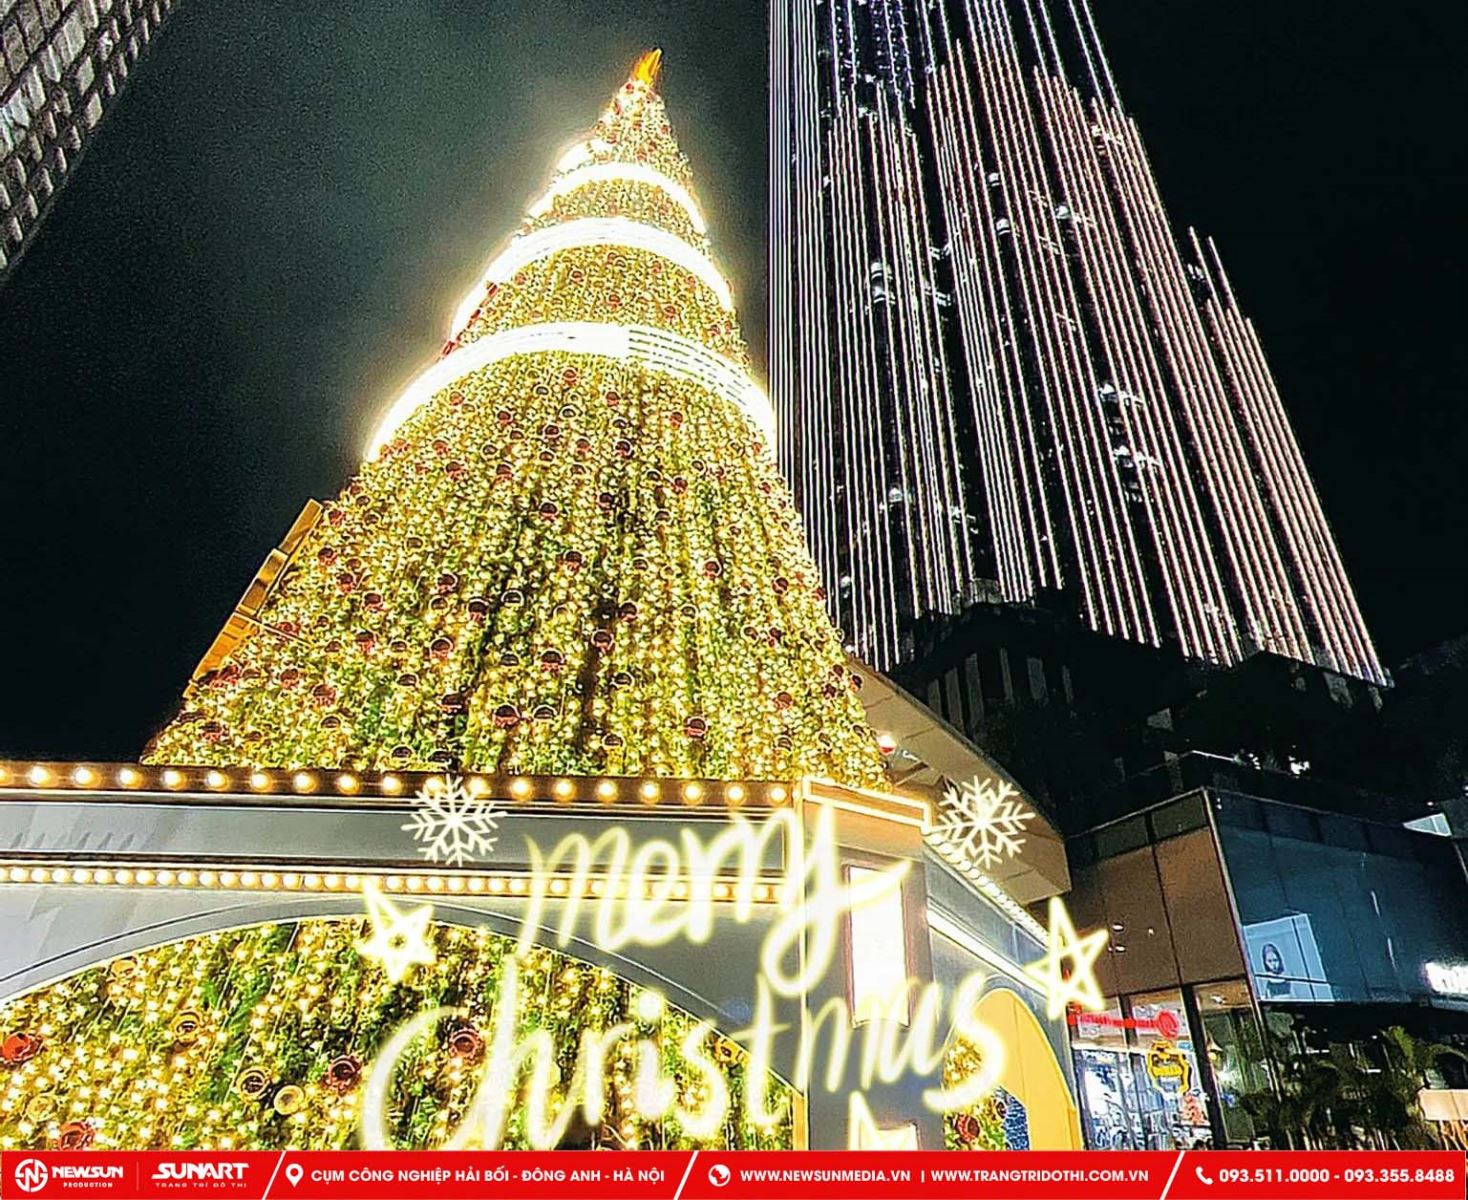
(665, 891)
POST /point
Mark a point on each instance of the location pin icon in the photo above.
(293, 1173)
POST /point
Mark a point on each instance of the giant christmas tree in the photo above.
(571, 551)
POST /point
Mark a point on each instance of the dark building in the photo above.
(995, 365)
(1091, 723)
(62, 64)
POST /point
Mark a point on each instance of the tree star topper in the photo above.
(399, 935)
(452, 822)
(1079, 986)
(984, 820)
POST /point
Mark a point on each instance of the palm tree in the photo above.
(1345, 1096)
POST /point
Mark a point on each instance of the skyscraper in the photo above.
(62, 63)
(995, 366)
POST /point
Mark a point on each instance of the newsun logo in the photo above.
(196, 1172)
(31, 1175)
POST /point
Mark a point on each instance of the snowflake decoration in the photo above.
(453, 824)
(984, 820)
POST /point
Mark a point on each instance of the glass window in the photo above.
(1234, 1049)
(1038, 689)
(1182, 816)
(1342, 832)
(1104, 1082)
(1239, 811)
(1121, 836)
(1169, 1085)
(1289, 822)
(1325, 922)
(1387, 840)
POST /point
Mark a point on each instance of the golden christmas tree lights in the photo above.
(573, 552)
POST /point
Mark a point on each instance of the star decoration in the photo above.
(452, 822)
(863, 1132)
(399, 935)
(1079, 985)
(983, 820)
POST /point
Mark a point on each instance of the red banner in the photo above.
(715, 1175)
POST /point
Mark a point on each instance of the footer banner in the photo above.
(716, 1175)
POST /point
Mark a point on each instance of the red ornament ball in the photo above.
(20, 1048)
(76, 1135)
(466, 1043)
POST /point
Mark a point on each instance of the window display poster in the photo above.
(1284, 960)
(1170, 1086)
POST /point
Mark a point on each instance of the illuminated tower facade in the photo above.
(62, 64)
(996, 367)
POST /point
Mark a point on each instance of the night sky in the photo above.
(271, 230)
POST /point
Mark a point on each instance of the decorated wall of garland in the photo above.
(260, 1038)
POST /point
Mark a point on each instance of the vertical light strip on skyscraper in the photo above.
(1331, 608)
(996, 360)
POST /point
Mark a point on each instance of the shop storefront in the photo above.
(1225, 911)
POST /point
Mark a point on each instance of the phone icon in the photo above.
(1202, 1178)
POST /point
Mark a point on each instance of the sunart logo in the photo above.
(197, 1172)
